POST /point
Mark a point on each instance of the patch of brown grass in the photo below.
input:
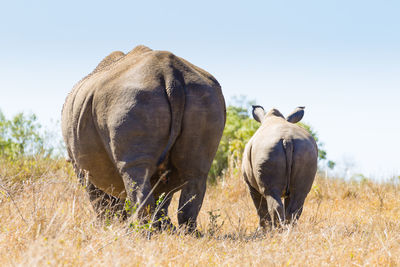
(46, 219)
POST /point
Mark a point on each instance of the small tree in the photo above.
(21, 136)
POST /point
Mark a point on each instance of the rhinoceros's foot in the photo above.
(196, 233)
(193, 232)
(164, 224)
(259, 233)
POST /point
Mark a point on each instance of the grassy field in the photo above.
(46, 219)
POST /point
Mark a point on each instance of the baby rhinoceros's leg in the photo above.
(301, 184)
(275, 207)
(294, 206)
(261, 206)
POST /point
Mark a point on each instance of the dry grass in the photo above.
(46, 219)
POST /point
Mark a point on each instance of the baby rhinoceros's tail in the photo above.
(288, 147)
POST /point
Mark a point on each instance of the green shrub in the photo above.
(239, 128)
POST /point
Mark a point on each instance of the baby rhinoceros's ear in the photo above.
(296, 115)
(258, 113)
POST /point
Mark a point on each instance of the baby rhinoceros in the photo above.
(279, 161)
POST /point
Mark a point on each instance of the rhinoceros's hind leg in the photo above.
(161, 218)
(261, 206)
(300, 187)
(275, 208)
(294, 207)
(190, 202)
(195, 148)
(105, 205)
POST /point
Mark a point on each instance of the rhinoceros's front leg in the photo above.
(190, 202)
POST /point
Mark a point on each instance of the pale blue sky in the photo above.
(340, 59)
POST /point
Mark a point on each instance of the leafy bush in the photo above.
(239, 128)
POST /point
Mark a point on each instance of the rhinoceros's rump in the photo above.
(280, 160)
(139, 116)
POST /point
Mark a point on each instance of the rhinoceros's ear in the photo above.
(258, 113)
(296, 115)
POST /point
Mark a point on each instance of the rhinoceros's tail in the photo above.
(288, 146)
(176, 98)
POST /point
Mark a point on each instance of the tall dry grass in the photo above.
(46, 219)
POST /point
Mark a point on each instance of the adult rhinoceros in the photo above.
(141, 119)
(280, 160)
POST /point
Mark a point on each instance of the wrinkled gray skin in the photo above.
(279, 161)
(142, 118)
